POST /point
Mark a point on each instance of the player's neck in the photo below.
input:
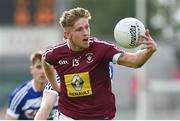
(39, 87)
(73, 47)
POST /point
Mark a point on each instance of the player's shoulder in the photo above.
(99, 43)
(19, 96)
(21, 90)
(59, 46)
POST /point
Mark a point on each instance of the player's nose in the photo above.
(85, 32)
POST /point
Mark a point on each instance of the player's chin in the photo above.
(42, 82)
(42, 79)
(85, 45)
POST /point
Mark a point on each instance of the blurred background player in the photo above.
(25, 100)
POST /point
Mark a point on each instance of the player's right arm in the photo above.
(47, 105)
(51, 75)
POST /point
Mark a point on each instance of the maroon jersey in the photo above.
(85, 83)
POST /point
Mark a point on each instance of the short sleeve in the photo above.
(48, 55)
(111, 51)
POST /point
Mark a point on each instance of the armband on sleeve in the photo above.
(117, 56)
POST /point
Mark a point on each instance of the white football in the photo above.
(127, 32)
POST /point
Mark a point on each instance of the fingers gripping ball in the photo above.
(127, 32)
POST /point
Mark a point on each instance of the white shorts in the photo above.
(63, 117)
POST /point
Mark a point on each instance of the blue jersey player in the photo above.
(25, 100)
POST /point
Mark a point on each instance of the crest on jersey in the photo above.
(89, 57)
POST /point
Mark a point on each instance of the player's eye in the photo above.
(87, 26)
(39, 67)
(79, 29)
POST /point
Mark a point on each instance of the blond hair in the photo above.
(37, 55)
(71, 16)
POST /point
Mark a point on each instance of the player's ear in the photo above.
(65, 34)
(31, 69)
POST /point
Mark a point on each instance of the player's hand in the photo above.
(148, 43)
(57, 87)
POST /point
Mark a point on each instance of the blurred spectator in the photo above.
(133, 86)
(176, 71)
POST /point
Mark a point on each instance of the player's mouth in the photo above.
(85, 40)
(42, 77)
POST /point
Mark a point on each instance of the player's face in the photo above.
(79, 34)
(38, 72)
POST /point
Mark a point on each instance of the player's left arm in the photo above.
(136, 60)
